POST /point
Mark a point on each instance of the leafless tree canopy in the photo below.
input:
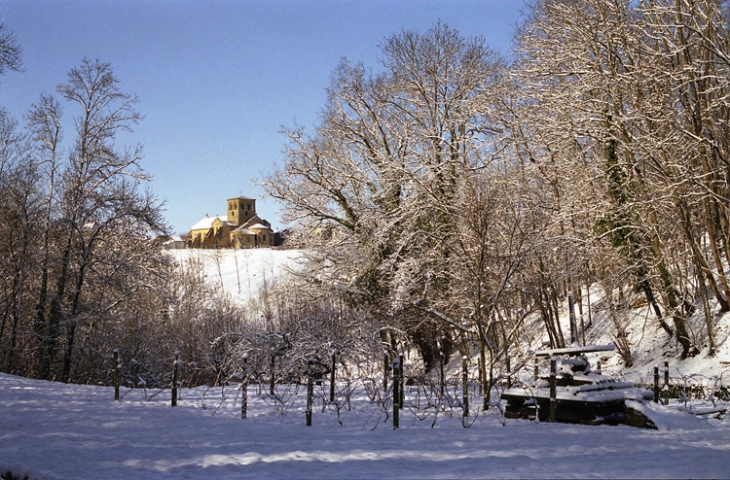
(11, 54)
(453, 194)
(449, 200)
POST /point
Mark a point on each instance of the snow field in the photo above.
(241, 274)
(56, 431)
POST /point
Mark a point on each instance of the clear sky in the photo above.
(216, 80)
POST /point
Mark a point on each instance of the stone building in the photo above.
(242, 228)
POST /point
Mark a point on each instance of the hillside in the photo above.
(242, 274)
(650, 345)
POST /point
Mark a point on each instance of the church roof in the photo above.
(256, 220)
(258, 226)
(207, 222)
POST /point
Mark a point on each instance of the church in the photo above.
(242, 228)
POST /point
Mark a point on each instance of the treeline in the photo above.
(83, 273)
(80, 274)
(451, 194)
(76, 264)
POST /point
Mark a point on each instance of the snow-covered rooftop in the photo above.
(207, 222)
(173, 239)
(258, 226)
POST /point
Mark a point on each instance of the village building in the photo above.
(172, 242)
(242, 228)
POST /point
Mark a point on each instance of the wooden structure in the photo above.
(573, 393)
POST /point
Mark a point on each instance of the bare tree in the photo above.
(10, 51)
(44, 124)
(380, 174)
(19, 183)
(611, 74)
(100, 196)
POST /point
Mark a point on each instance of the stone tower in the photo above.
(241, 209)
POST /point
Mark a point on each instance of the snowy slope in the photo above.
(240, 273)
(651, 346)
(243, 273)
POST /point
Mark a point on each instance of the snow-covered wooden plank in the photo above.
(575, 350)
(704, 410)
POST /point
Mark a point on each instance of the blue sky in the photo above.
(216, 80)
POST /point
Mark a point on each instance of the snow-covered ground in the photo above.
(56, 431)
(241, 274)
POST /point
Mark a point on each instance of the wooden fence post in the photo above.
(442, 380)
(244, 386)
(465, 383)
(571, 315)
(273, 373)
(310, 390)
(509, 372)
(582, 321)
(402, 379)
(553, 389)
(386, 361)
(116, 375)
(396, 393)
(481, 376)
(666, 382)
(537, 371)
(175, 367)
(332, 376)
(656, 384)
(485, 376)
